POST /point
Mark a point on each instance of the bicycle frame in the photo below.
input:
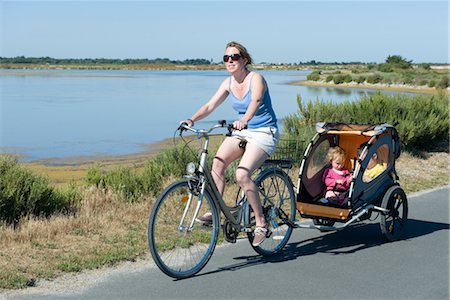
(207, 182)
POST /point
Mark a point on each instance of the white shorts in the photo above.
(265, 138)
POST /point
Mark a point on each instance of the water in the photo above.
(61, 113)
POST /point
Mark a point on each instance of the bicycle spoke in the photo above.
(180, 250)
(278, 200)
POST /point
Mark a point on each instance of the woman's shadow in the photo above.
(347, 241)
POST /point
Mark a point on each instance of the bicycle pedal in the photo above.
(268, 234)
(247, 229)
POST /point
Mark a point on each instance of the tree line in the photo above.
(99, 61)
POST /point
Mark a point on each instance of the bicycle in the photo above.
(181, 247)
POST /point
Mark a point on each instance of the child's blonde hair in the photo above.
(334, 152)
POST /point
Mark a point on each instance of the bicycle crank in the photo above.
(230, 233)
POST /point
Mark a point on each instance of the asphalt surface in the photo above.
(355, 263)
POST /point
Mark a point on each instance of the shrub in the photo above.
(126, 181)
(313, 76)
(348, 78)
(133, 184)
(421, 120)
(408, 79)
(387, 80)
(443, 83)
(329, 78)
(360, 79)
(385, 68)
(95, 176)
(423, 82)
(23, 193)
(431, 83)
(338, 79)
(375, 78)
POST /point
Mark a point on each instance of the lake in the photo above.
(65, 113)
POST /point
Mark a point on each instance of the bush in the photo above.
(408, 79)
(423, 82)
(313, 77)
(126, 181)
(375, 78)
(387, 68)
(386, 80)
(432, 83)
(422, 120)
(329, 78)
(95, 176)
(338, 79)
(443, 83)
(133, 184)
(348, 78)
(23, 193)
(360, 79)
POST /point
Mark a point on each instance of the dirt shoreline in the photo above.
(62, 171)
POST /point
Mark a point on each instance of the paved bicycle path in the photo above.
(355, 263)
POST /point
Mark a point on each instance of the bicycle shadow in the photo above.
(347, 241)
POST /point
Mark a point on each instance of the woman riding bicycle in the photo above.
(257, 124)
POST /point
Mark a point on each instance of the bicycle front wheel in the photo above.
(278, 201)
(180, 246)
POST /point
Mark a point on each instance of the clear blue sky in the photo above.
(273, 31)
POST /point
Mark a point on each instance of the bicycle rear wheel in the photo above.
(278, 201)
(181, 248)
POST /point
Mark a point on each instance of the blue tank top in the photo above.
(264, 116)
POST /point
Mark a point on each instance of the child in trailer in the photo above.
(336, 178)
(375, 167)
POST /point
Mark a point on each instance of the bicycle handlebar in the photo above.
(221, 124)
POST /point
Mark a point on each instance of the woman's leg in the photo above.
(228, 152)
(251, 160)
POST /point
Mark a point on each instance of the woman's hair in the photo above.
(335, 152)
(242, 50)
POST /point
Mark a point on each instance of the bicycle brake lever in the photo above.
(181, 127)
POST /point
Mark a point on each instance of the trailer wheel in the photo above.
(393, 223)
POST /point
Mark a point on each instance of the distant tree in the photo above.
(399, 62)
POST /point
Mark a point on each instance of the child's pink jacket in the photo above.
(330, 177)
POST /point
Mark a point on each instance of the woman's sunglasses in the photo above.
(234, 57)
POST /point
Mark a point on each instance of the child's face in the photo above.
(372, 161)
(338, 163)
